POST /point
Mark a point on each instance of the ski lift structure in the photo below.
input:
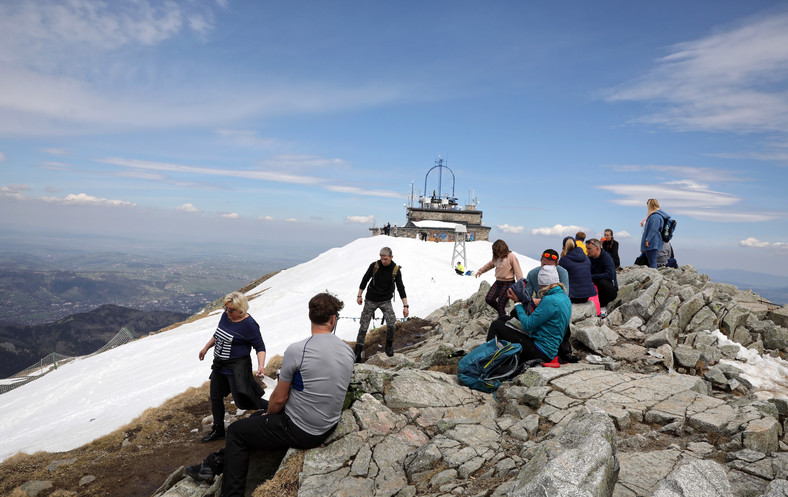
(438, 216)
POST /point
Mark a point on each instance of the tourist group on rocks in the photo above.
(649, 402)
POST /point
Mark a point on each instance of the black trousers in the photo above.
(265, 432)
(607, 292)
(221, 386)
(498, 329)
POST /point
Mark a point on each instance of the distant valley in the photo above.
(75, 335)
(73, 303)
(36, 289)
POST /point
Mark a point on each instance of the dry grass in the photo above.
(273, 365)
(285, 482)
(131, 461)
(444, 368)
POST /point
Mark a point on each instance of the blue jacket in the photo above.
(652, 231)
(603, 268)
(578, 266)
(549, 320)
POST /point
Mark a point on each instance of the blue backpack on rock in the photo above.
(487, 365)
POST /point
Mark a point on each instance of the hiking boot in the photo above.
(200, 472)
(215, 434)
(389, 348)
(359, 348)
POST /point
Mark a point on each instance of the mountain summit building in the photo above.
(439, 218)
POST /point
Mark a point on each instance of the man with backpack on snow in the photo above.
(382, 276)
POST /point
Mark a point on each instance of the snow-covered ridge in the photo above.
(91, 397)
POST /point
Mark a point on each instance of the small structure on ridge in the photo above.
(438, 217)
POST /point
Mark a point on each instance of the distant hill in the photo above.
(769, 286)
(75, 335)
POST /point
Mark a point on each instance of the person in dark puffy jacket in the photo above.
(577, 264)
(603, 274)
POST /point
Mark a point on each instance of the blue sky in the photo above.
(230, 124)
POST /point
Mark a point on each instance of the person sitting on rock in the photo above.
(665, 257)
(549, 258)
(543, 330)
(603, 274)
(576, 263)
(304, 408)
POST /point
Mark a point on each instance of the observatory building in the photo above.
(438, 217)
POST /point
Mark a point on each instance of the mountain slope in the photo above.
(93, 396)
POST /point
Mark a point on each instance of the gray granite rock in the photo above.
(580, 461)
(696, 479)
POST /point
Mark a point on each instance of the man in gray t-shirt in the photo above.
(305, 406)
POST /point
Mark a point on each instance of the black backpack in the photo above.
(668, 227)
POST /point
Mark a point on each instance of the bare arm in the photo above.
(207, 347)
(261, 363)
(279, 397)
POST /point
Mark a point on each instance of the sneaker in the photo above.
(215, 434)
(200, 472)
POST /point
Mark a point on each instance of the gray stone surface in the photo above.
(696, 479)
(580, 461)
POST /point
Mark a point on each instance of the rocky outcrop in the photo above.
(657, 407)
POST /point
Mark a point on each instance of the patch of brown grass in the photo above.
(156, 444)
(273, 365)
(444, 368)
(285, 482)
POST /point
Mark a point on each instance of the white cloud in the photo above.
(277, 176)
(246, 137)
(688, 198)
(2, 157)
(231, 215)
(732, 80)
(14, 191)
(291, 220)
(704, 174)
(360, 219)
(266, 218)
(60, 152)
(362, 191)
(755, 243)
(510, 229)
(558, 230)
(84, 199)
(622, 235)
(187, 208)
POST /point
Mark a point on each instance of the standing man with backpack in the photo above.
(382, 276)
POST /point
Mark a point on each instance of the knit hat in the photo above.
(547, 275)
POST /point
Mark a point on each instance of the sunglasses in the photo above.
(230, 310)
(547, 255)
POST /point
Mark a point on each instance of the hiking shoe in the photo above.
(389, 348)
(358, 349)
(563, 359)
(215, 434)
(200, 472)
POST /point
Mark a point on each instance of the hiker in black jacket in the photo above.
(382, 276)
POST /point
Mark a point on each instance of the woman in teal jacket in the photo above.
(544, 328)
